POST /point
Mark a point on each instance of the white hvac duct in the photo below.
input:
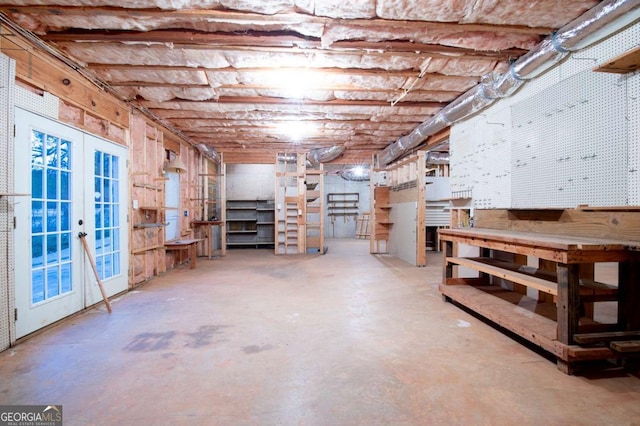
(595, 24)
(437, 157)
(324, 155)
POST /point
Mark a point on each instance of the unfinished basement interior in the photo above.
(299, 212)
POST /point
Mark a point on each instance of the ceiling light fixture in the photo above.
(294, 83)
(296, 130)
(358, 171)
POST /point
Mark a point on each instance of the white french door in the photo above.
(77, 184)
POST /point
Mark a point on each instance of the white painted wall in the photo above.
(344, 227)
(403, 238)
(250, 181)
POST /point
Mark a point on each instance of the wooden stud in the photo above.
(568, 303)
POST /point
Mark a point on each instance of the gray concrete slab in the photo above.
(341, 339)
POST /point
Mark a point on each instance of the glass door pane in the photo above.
(107, 213)
(51, 274)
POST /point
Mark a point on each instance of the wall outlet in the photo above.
(134, 204)
(186, 213)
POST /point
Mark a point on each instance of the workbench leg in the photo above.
(566, 367)
(568, 304)
(447, 248)
(629, 295)
(194, 254)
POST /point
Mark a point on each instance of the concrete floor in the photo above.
(341, 339)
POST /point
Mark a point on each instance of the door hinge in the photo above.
(15, 314)
(15, 222)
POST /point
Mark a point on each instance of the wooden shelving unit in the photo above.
(314, 223)
(291, 204)
(381, 224)
(557, 324)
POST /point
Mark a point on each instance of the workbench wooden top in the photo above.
(183, 242)
(551, 241)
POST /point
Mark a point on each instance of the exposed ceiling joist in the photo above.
(197, 60)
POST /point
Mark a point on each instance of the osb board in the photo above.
(596, 224)
(404, 195)
(143, 267)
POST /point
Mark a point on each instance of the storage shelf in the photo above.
(248, 221)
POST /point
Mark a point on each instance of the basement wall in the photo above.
(567, 138)
(339, 226)
(250, 181)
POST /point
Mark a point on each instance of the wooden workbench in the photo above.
(557, 328)
(185, 244)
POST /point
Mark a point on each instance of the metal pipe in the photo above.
(597, 23)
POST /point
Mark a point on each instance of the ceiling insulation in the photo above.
(231, 74)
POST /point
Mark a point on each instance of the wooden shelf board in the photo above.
(144, 249)
(623, 64)
(535, 328)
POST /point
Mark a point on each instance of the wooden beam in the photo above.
(362, 72)
(38, 69)
(182, 38)
(244, 18)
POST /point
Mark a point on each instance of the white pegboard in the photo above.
(7, 281)
(633, 137)
(573, 137)
(46, 104)
(481, 165)
(461, 156)
(570, 144)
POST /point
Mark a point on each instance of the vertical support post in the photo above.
(629, 295)
(447, 248)
(568, 304)
(223, 204)
(485, 252)
(421, 219)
